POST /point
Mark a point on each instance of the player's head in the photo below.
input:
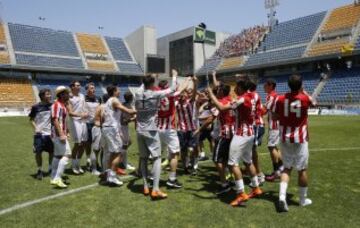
(242, 85)
(75, 87)
(269, 85)
(90, 89)
(45, 95)
(295, 83)
(252, 85)
(62, 93)
(149, 81)
(128, 97)
(113, 91)
(223, 90)
(163, 84)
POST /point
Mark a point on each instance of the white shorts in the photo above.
(112, 140)
(295, 155)
(149, 144)
(274, 136)
(241, 150)
(96, 138)
(170, 140)
(125, 135)
(60, 148)
(78, 130)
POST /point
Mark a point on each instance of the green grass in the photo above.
(334, 189)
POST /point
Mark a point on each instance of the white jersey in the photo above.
(78, 104)
(111, 115)
(90, 106)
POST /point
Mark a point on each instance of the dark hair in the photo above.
(111, 90)
(271, 82)
(88, 85)
(242, 84)
(295, 82)
(148, 81)
(225, 89)
(163, 84)
(128, 97)
(105, 98)
(42, 93)
(252, 85)
(72, 84)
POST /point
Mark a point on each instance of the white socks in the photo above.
(61, 167)
(172, 176)
(239, 186)
(254, 181)
(303, 194)
(202, 154)
(282, 192)
(54, 166)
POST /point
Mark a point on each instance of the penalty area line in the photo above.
(58, 195)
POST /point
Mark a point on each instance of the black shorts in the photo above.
(43, 143)
(259, 132)
(89, 127)
(205, 134)
(187, 140)
(221, 150)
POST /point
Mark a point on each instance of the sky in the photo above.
(120, 17)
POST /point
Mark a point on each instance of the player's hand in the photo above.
(84, 115)
(174, 73)
(63, 138)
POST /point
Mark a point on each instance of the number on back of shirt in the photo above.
(295, 107)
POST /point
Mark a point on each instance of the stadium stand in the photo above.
(38, 60)
(210, 65)
(287, 40)
(243, 43)
(328, 47)
(118, 49)
(91, 43)
(232, 62)
(4, 54)
(42, 40)
(343, 87)
(100, 65)
(15, 92)
(129, 68)
(342, 18)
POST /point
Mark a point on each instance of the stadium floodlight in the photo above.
(42, 18)
(203, 26)
(271, 5)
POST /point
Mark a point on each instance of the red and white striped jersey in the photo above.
(226, 119)
(292, 109)
(185, 115)
(258, 120)
(166, 114)
(270, 102)
(244, 119)
(58, 112)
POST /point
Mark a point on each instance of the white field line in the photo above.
(327, 149)
(58, 195)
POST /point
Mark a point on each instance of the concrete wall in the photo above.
(142, 42)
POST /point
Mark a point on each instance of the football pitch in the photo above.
(334, 172)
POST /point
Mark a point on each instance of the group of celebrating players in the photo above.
(176, 118)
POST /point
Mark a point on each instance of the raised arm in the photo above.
(171, 89)
(216, 102)
(215, 81)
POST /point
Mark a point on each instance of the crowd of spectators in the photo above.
(242, 43)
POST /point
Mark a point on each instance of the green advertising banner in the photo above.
(201, 36)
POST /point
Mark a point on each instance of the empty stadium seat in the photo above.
(210, 65)
(42, 40)
(45, 61)
(118, 49)
(100, 65)
(2, 34)
(232, 62)
(342, 18)
(91, 43)
(15, 92)
(327, 47)
(130, 68)
(4, 58)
